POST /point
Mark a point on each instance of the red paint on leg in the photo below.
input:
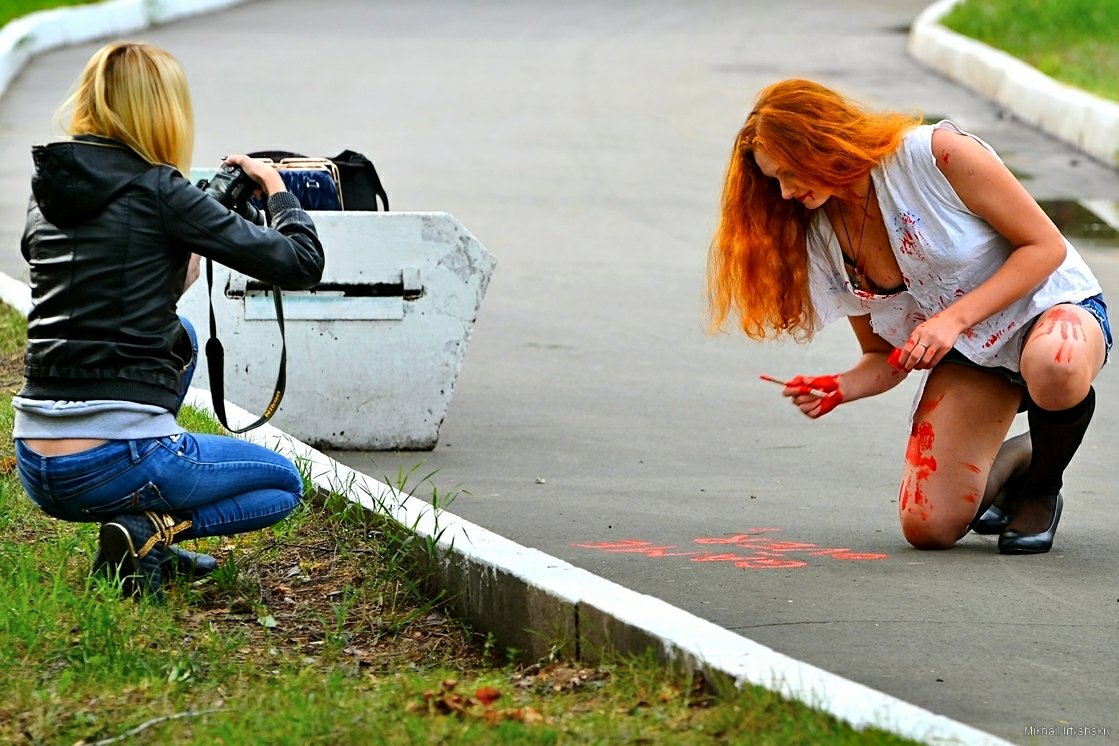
(920, 443)
(918, 458)
(1066, 323)
(924, 408)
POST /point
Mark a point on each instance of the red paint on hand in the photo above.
(895, 359)
(816, 385)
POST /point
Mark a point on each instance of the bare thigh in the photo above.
(962, 419)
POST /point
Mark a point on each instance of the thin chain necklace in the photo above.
(859, 278)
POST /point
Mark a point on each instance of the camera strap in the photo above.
(215, 360)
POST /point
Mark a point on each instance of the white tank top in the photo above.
(944, 251)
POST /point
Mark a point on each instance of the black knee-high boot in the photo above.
(1056, 436)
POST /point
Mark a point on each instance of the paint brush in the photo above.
(819, 393)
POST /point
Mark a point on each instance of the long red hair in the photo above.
(758, 262)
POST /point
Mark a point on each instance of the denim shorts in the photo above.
(1094, 305)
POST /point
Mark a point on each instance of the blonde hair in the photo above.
(758, 260)
(136, 94)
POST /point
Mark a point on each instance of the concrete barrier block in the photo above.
(374, 351)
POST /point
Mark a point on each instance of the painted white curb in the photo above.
(1105, 209)
(23, 38)
(683, 636)
(1082, 119)
(15, 293)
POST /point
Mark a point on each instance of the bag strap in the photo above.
(215, 360)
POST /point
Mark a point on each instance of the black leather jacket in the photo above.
(108, 238)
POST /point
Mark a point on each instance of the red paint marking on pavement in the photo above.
(635, 546)
(764, 563)
(765, 553)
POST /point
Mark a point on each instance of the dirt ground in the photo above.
(11, 372)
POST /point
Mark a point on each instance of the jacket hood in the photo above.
(74, 180)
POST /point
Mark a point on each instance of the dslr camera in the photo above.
(233, 188)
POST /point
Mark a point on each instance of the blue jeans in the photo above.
(222, 484)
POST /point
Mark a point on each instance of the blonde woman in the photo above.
(113, 233)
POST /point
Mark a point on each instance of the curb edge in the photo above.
(1079, 118)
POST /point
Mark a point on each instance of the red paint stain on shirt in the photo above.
(998, 335)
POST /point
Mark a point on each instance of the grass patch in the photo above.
(15, 8)
(321, 629)
(1073, 41)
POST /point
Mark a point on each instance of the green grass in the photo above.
(1073, 41)
(16, 8)
(318, 630)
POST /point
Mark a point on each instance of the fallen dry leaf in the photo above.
(487, 695)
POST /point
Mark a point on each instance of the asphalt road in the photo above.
(583, 143)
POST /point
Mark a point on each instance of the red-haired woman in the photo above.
(942, 262)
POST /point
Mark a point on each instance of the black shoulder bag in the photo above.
(361, 187)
